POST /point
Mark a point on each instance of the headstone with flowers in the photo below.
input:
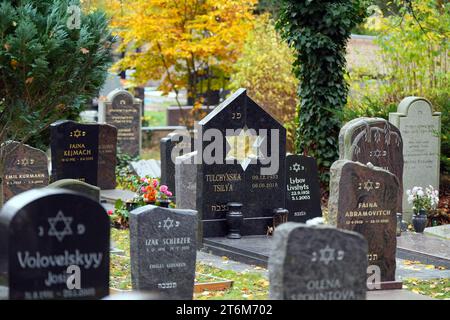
(423, 201)
(148, 191)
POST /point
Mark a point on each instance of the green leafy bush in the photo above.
(319, 31)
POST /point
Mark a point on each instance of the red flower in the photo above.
(110, 212)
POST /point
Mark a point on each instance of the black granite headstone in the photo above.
(74, 149)
(163, 251)
(167, 144)
(317, 263)
(303, 190)
(257, 143)
(54, 244)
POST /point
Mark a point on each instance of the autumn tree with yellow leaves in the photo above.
(190, 44)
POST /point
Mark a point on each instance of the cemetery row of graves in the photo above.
(228, 186)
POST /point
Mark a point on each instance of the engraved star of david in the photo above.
(368, 185)
(296, 167)
(326, 255)
(244, 147)
(24, 162)
(168, 224)
(57, 232)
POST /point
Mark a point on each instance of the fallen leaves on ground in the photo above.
(435, 288)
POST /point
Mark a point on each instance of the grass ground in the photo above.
(247, 285)
(156, 118)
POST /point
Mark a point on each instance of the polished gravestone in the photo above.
(248, 148)
(85, 152)
(74, 148)
(167, 146)
(107, 157)
(374, 140)
(163, 251)
(303, 191)
(124, 112)
(25, 168)
(84, 188)
(51, 241)
(421, 132)
(364, 199)
(317, 263)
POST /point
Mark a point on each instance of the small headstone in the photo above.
(186, 181)
(317, 263)
(84, 188)
(303, 190)
(25, 168)
(363, 199)
(374, 140)
(167, 145)
(146, 168)
(54, 244)
(107, 149)
(421, 132)
(124, 112)
(74, 148)
(163, 251)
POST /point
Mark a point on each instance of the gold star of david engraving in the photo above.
(78, 133)
(244, 147)
(55, 229)
(368, 185)
(24, 162)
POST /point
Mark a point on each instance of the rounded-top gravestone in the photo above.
(54, 244)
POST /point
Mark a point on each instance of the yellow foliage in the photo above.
(265, 69)
(180, 40)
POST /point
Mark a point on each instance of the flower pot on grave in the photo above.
(235, 218)
(420, 221)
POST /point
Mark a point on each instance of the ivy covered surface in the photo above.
(319, 31)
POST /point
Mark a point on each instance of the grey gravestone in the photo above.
(421, 132)
(167, 145)
(43, 235)
(317, 263)
(163, 251)
(303, 190)
(124, 112)
(374, 140)
(186, 181)
(363, 199)
(146, 168)
(244, 175)
(25, 168)
(84, 188)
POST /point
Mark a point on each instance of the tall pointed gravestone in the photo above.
(317, 263)
(25, 168)
(364, 199)
(84, 152)
(374, 140)
(421, 132)
(241, 159)
(124, 112)
(54, 244)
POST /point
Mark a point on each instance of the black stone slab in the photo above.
(238, 178)
(303, 190)
(74, 149)
(163, 251)
(44, 232)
